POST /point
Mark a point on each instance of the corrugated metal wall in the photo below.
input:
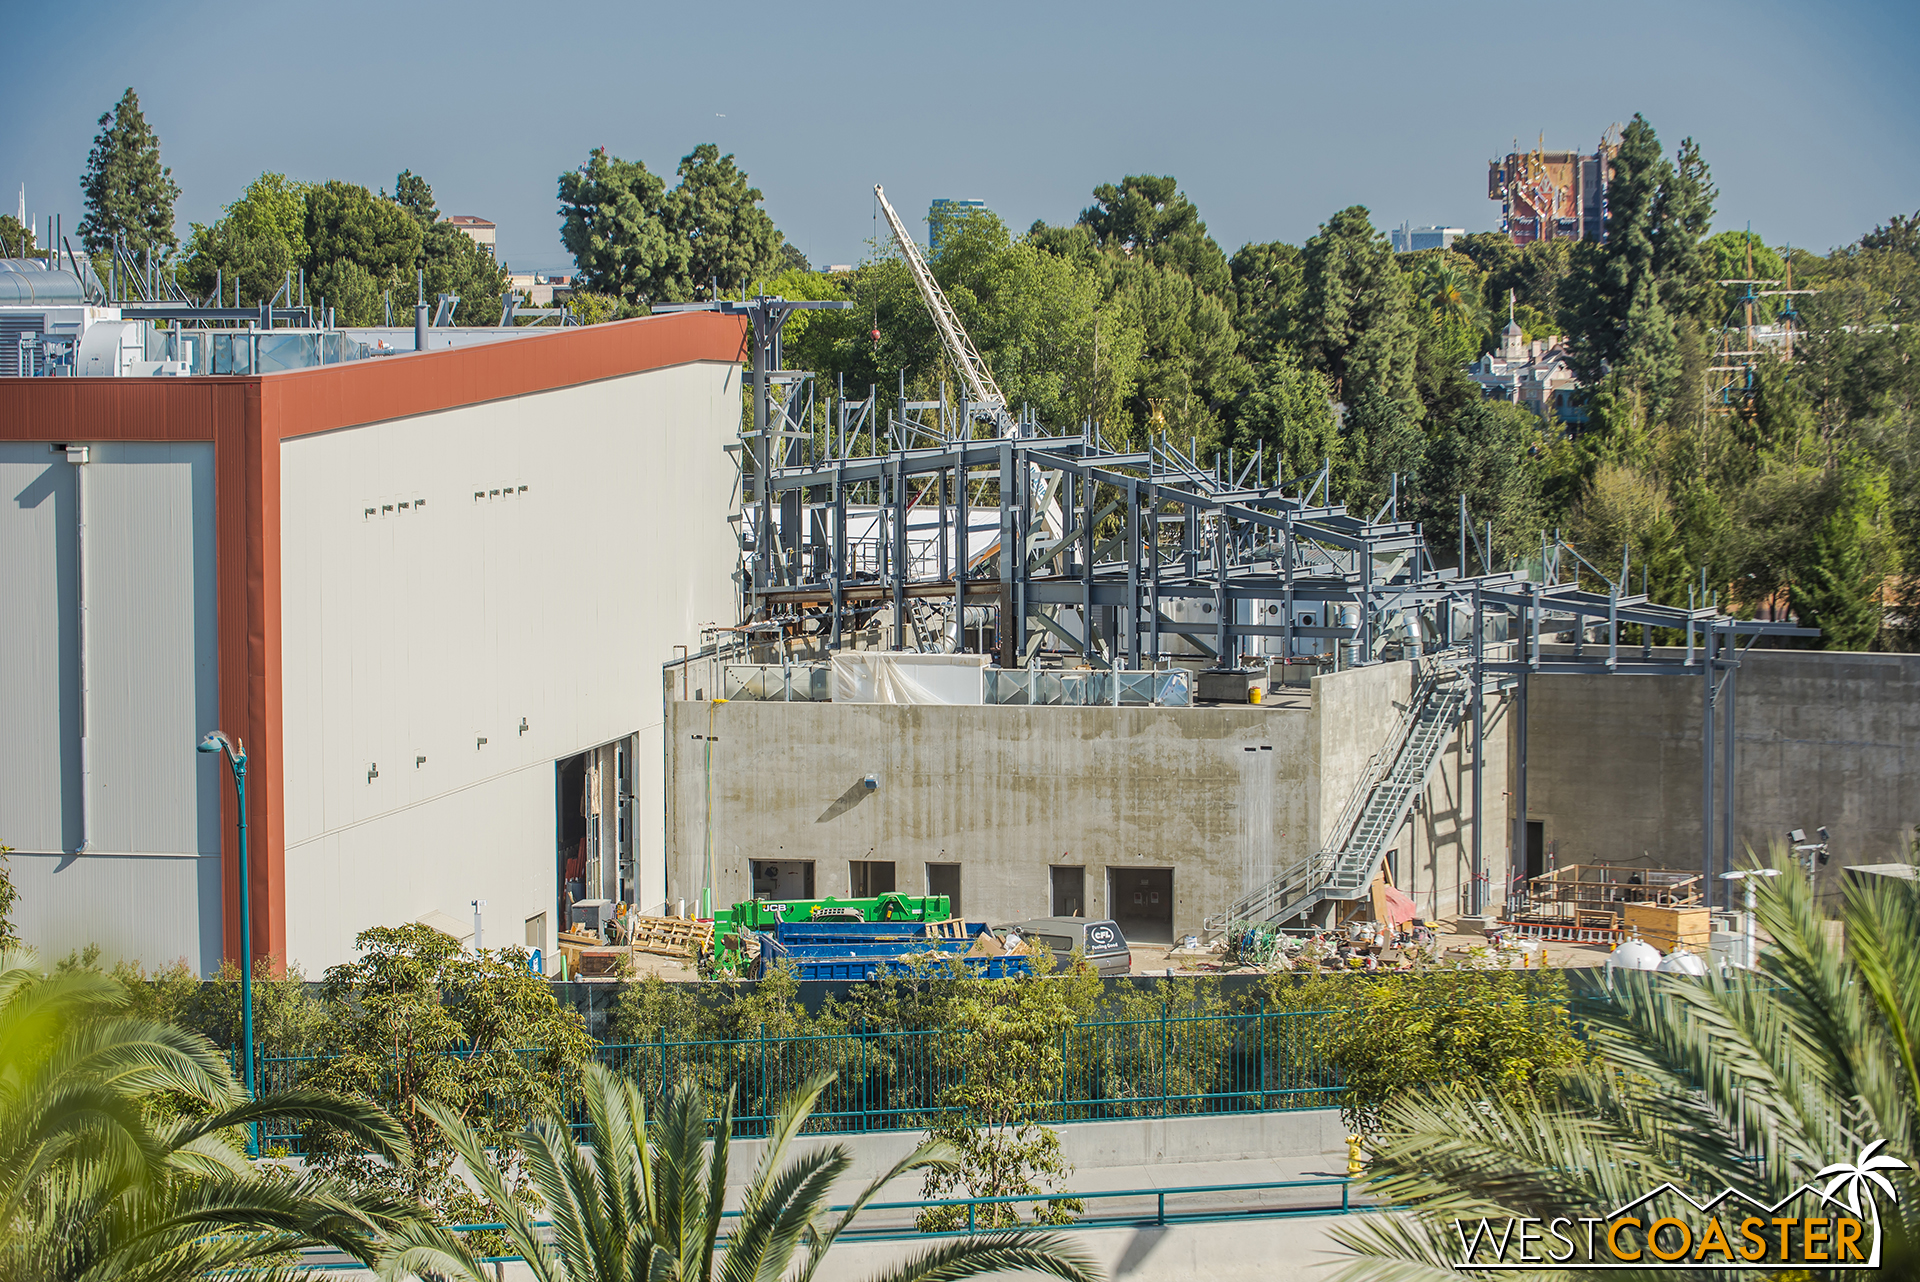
(148, 890)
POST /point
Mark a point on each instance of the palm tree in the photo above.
(117, 1150)
(1448, 294)
(631, 1207)
(1748, 1082)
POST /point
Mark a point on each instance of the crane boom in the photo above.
(988, 400)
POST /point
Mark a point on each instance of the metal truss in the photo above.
(1084, 554)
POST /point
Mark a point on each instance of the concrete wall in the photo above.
(144, 884)
(1823, 738)
(413, 634)
(1221, 795)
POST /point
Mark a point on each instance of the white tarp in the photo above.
(896, 676)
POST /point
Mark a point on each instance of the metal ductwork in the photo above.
(25, 281)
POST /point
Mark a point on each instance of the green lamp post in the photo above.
(217, 741)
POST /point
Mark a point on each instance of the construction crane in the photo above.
(985, 399)
(988, 402)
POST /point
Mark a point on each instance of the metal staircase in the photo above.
(1394, 776)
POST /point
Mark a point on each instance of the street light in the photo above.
(217, 741)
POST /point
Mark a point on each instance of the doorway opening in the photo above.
(594, 848)
(871, 877)
(783, 878)
(944, 879)
(1069, 887)
(1141, 900)
(1536, 848)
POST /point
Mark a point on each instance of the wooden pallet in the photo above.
(669, 936)
(952, 929)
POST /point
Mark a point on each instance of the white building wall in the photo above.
(146, 886)
(412, 634)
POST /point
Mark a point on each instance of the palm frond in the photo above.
(934, 1153)
(976, 1257)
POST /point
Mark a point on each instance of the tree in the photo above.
(1836, 588)
(251, 250)
(9, 896)
(129, 193)
(1266, 296)
(1754, 1082)
(1151, 219)
(1650, 282)
(1493, 453)
(1383, 441)
(729, 240)
(396, 1013)
(17, 241)
(118, 1157)
(1355, 325)
(613, 222)
(643, 1203)
(359, 245)
(415, 195)
(1288, 412)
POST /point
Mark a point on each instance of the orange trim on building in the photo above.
(246, 419)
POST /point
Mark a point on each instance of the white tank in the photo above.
(1634, 955)
(1682, 962)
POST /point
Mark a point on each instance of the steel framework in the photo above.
(920, 526)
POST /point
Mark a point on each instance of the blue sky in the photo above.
(1272, 116)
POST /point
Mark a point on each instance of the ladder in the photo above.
(1393, 777)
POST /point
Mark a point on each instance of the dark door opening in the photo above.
(569, 786)
(1069, 886)
(783, 879)
(1141, 900)
(944, 879)
(1536, 848)
(871, 877)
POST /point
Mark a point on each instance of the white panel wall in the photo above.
(416, 632)
(148, 888)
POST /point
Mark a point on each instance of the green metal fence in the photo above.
(888, 1080)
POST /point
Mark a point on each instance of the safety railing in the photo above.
(891, 1080)
(1111, 1208)
(1081, 687)
(772, 683)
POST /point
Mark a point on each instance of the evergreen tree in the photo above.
(613, 222)
(1149, 217)
(729, 240)
(129, 193)
(1836, 589)
(1288, 412)
(415, 195)
(1266, 295)
(1356, 324)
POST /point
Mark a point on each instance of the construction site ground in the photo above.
(1152, 959)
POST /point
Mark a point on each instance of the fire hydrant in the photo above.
(1356, 1162)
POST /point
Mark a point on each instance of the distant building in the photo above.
(1553, 195)
(540, 288)
(1407, 238)
(944, 208)
(479, 229)
(1537, 374)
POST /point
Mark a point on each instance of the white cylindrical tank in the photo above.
(1682, 962)
(1634, 955)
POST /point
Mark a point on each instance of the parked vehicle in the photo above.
(1099, 940)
